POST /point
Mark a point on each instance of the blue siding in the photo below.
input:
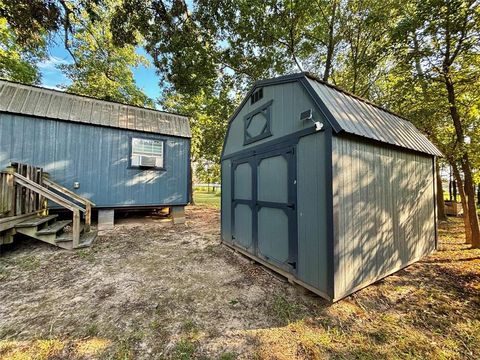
(97, 157)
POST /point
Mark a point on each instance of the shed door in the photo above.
(263, 209)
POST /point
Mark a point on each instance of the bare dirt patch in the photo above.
(156, 290)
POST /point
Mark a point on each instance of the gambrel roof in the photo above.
(351, 114)
(53, 104)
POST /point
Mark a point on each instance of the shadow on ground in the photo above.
(154, 290)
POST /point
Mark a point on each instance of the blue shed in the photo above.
(118, 156)
(330, 190)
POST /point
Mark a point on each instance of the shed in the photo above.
(118, 156)
(324, 187)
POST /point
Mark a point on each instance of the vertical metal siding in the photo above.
(312, 211)
(98, 158)
(383, 209)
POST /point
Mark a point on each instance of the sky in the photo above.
(145, 77)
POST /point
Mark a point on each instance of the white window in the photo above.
(147, 153)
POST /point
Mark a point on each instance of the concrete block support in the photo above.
(105, 219)
(178, 214)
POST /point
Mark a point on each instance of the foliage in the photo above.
(101, 69)
(18, 63)
(209, 112)
(32, 19)
(437, 69)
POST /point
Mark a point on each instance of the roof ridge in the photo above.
(90, 97)
(348, 93)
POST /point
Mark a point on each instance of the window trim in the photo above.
(267, 131)
(256, 96)
(145, 137)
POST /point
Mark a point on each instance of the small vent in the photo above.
(149, 161)
(257, 95)
(306, 115)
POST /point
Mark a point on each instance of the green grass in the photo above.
(206, 198)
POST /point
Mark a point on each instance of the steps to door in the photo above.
(49, 230)
(25, 193)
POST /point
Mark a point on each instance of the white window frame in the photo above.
(141, 147)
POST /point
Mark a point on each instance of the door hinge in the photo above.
(291, 206)
(293, 264)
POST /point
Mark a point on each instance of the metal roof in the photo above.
(358, 116)
(41, 102)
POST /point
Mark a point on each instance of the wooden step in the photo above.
(86, 240)
(39, 220)
(54, 228)
(68, 236)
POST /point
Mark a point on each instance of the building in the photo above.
(118, 156)
(324, 187)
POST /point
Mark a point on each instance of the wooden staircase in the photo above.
(24, 192)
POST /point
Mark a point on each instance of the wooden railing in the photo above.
(25, 189)
(15, 201)
(64, 191)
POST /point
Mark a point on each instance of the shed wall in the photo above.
(383, 201)
(312, 211)
(98, 158)
(226, 221)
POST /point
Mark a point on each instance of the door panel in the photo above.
(243, 181)
(243, 225)
(273, 179)
(273, 234)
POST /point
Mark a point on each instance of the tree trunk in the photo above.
(467, 188)
(472, 208)
(466, 218)
(440, 201)
(331, 43)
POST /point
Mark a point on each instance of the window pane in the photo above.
(147, 152)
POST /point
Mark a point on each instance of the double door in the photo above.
(264, 216)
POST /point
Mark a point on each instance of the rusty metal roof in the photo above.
(53, 104)
(358, 116)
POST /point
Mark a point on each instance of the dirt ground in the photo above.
(153, 290)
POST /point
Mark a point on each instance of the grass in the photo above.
(430, 310)
(184, 350)
(207, 198)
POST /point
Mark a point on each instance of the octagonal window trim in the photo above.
(265, 110)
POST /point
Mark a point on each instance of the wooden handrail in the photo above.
(66, 191)
(32, 185)
(74, 208)
(88, 204)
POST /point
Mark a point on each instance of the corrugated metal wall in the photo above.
(97, 157)
(383, 211)
(312, 211)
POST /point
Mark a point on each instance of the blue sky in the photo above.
(145, 77)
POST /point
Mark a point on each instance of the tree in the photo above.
(101, 69)
(19, 63)
(33, 19)
(441, 37)
(209, 113)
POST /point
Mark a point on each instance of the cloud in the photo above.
(51, 63)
